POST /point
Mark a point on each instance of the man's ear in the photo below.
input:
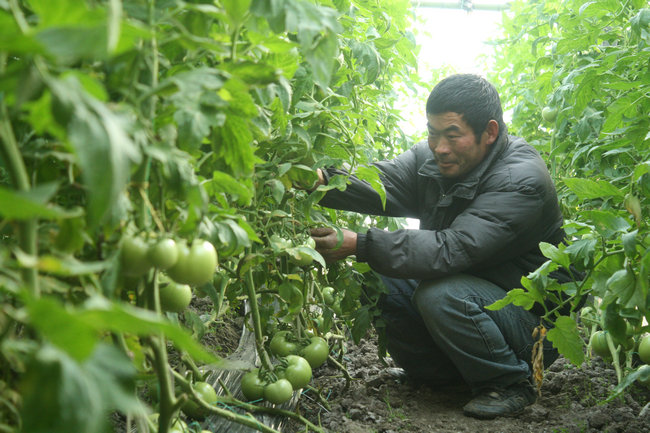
(491, 131)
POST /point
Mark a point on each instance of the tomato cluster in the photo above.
(315, 350)
(187, 266)
(292, 373)
(193, 265)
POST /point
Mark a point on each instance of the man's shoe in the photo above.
(495, 402)
(399, 374)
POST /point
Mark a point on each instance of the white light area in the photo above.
(450, 41)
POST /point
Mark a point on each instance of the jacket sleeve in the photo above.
(399, 177)
(482, 235)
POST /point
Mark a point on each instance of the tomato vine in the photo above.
(138, 134)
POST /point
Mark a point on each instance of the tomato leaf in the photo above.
(62, 395)
(566, 339)
(518, 297)
(589, 189)
(554, 253)
(225, 183)
(16, 205)
(371, 175)
(607, 223)
(62, 327)
(97, 134)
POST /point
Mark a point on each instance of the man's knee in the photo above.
(438, 293)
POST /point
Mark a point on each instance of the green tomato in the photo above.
(549, 114)
(280, 346)
(196, 265)
(301, 258)
(316, 352)
(164, 254)
(207, 393)
(298, 371)
(134, 256)
(175, 297)
(644, 349)
(179, 426)
(598, 343)
(252, 386)
(328, 295)
(278, 392)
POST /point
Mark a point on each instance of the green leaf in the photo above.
(302, 176)
(370, 174)
(61, 395)
(317, 29)
(250, 72)
(518, 297)
(292, 296)
(225, 183)
(368, 60)
(234, 143)
(15, 205)
(566, 339)
(96, 134)
(552, 252)
(362, 322)
(590, 189)
(62, 327)
(236, 9)
(629, 243)
(581, 251)
(621, 287)
(277, 189)
(110, 316)
(607, 223)
(642, 373)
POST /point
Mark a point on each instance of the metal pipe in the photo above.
(465, 5)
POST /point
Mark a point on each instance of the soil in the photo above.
(572, 400)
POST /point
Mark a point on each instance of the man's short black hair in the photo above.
(472, 96)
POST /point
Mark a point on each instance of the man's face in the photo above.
(454, 144)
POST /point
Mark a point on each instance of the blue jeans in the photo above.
(440, 332)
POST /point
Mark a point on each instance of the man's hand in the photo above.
(326, 242)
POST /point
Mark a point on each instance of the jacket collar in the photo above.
(466, 187)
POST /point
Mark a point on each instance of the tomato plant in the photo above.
(600, 171)
(128, 126)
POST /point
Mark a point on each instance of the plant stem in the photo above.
(348, 378)
(27, 229)
(257, 322)
(615, 361)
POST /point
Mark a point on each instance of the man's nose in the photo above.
(440, 146)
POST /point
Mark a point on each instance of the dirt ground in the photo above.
(572, 401)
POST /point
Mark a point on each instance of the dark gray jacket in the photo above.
(489, 224)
